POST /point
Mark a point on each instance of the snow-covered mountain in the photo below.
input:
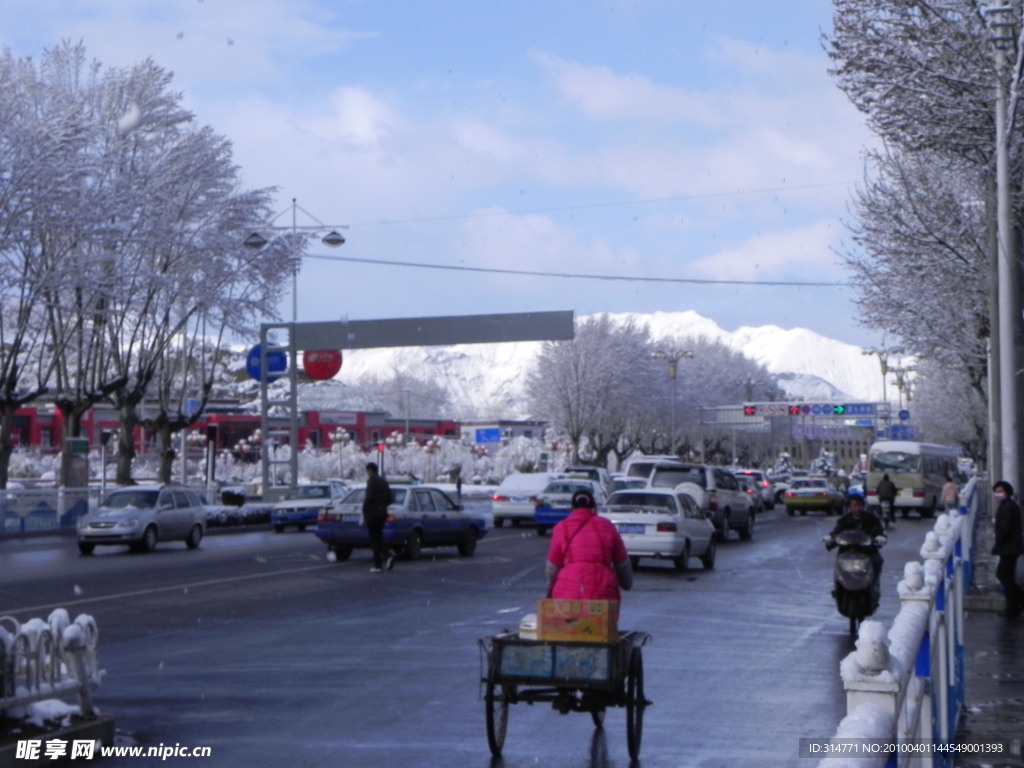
(488, 378)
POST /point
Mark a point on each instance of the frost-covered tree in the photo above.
(138, 227)
(587, 387)
(923, 74)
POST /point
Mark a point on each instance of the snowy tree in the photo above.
(588, 387)
(144, 229)
(923, 73)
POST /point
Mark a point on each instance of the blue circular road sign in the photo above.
(904, 415)
(277, 364)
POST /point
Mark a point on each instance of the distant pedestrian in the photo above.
(950, 495)
(376, 499)
(887, 500)
(1009, 545)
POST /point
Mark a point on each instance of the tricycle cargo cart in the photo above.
(573, 676)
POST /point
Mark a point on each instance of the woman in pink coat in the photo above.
(587, 559)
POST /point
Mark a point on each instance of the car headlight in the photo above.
(130, 522)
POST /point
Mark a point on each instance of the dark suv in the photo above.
(716, 491)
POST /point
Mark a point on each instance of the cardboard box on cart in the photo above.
(578, 621)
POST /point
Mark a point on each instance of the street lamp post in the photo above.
(673, 356)
(333, 238)
(1001, 24)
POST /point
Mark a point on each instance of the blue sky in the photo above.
(658, 139)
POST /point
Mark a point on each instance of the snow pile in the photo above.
(908, 629)
(870, 662)
(867, 721)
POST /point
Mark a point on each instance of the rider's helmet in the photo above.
(857, 496)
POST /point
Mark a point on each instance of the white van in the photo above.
(514, 498)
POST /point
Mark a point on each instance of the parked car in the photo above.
(516, 496)
(599, 475)
(753, 491)
(555, 503)
(302, 504)
(814, 493)
(662, 524)
(764, 486)
(419, 516)
(716, 490)
(142, 515)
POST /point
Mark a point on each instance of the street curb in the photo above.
(100, 728)
(989, 600)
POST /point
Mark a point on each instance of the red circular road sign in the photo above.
(321, 363)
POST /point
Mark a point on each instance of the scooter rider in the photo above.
(858, 518)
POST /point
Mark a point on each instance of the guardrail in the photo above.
(905, 687)
(47, 659)
(24, 510)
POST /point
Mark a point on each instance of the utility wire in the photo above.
(573, 275)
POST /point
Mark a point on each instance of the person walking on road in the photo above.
(375, 515)
(887, 501)
(1009, 545)
(587, 559)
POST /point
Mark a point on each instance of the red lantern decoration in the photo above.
(321, 363)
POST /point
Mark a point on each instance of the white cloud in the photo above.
(804, 253)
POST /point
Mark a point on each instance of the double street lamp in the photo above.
(673, 356)
(333, 238)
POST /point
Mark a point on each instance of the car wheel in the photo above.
(634, 561)
(85, 547)
(682, 562)
(803, 512)
(746, 534)
(708, 558)
(341, 553)
(499, 522)
(302, 527)
(413, 545)
(148, 539)
(790, 511)
(541, 530)
(278, 529)
(194, 537)
(468, 545)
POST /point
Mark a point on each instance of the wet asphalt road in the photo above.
(255, 646)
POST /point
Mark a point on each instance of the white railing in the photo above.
(47, 659)
(906, 686)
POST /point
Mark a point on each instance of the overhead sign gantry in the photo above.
(371, 334)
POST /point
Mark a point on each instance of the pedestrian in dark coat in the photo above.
(375, 514)
(1009, 545)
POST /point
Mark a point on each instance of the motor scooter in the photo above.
(857, 589)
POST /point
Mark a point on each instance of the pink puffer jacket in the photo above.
(584, 547)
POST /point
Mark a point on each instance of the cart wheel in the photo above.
(497, 717)
(597, 715)
(635, 703)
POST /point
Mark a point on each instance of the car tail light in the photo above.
(764, 483)
(496, 497)
(918, 494)
(872, 494)
(666, 527)
(790, 494)
(712, 500)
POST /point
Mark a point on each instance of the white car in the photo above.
(142, 515)
(516, 496)
(662, 524)
(303, 503)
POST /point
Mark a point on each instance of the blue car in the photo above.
(419, 516)
(555, 503)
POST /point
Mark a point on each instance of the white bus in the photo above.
(919, 470)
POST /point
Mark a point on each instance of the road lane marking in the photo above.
(174, 588)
